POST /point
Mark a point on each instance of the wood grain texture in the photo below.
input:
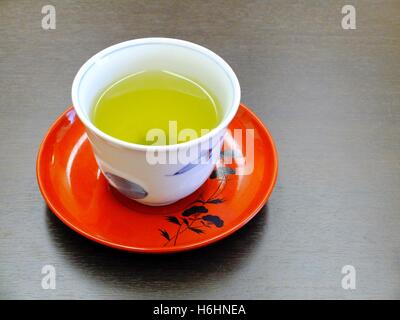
(330, 97)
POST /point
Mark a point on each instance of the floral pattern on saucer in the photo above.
(196, 218)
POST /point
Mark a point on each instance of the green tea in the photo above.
(134, 105)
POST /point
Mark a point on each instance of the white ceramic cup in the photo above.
(126, 165)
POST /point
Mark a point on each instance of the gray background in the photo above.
(331, 98)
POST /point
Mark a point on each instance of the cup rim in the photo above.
(156, 40)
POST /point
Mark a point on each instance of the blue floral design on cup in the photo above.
(126, 187)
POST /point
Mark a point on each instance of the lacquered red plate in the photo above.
(78, 194)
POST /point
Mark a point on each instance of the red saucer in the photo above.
(77, 192)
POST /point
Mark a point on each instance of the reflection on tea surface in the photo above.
(136, 104)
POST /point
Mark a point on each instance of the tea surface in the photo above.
(132, 106)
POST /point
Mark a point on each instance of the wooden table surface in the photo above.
(331, 98)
